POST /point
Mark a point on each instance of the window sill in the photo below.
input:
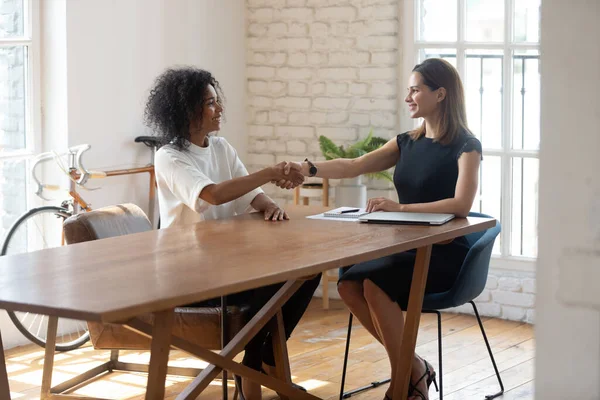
(513, 264)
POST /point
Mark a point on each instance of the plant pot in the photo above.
(351, 193)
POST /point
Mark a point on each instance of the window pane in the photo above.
(524, 207)
(485, 21)
(488, 199)
(447, 54)
(13, 186)
(437, 20)
(13, 67)
(11, 18)
(483, 87)
(527, 21)
(526, 100)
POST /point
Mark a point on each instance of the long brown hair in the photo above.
(439, 73)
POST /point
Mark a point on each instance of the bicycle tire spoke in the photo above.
(40, 327)
(34, 318)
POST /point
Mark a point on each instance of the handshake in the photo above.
(287, 174)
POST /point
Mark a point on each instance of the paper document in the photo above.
(350, 214)
(345, 212)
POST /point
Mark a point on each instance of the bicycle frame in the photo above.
(80, 202)
(79, 176)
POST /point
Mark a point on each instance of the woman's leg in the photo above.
(389, 286)
(389, 270)
(352, 294)
(388, 319)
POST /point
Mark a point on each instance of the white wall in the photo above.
(100, 59)
(568, 277)
(115, 49)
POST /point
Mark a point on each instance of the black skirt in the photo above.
(393, 274)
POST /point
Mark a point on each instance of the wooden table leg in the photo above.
(411, 327)
(325, 288)
(159, 354)
(282, 362)
(4, 387)
(236, 345)
(49, 358)
(224, 360)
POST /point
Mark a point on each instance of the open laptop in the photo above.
(385, 217)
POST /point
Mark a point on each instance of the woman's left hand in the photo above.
(274, 213)
(382, 204)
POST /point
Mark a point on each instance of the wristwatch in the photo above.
(312, 170)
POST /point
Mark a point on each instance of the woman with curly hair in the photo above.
(200, 177)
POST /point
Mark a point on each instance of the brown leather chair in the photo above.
(204, 326)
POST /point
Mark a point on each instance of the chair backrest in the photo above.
(122, 219)
(473, 274)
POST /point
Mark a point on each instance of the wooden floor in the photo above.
(316, 352)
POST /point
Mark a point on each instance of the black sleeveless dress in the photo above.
(427, 171)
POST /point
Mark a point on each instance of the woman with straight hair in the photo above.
(436, 171)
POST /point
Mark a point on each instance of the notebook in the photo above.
(383, 217)
(337, 213)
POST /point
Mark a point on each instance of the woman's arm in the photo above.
(459, 205)
(232, 189)
(378, 160)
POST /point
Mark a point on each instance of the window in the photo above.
(18, 122)
(494, 44)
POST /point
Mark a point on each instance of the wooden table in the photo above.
(117, 279)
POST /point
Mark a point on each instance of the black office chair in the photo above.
(469, 284)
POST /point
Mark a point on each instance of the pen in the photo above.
(350, 211)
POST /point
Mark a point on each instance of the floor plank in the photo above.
(316, 355)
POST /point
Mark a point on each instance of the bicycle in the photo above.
(33, 231)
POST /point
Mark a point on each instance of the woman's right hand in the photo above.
(286, 182)
(286, 175)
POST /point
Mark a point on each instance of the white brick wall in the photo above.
(331, 67)
(319, 68)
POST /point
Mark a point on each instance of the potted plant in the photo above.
(351, 191)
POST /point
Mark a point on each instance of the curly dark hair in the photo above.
(174, 103)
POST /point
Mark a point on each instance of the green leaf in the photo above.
(375, 143)
(329, 149)
(363, 144)
(385, 175)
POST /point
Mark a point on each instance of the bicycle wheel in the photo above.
(41, 228)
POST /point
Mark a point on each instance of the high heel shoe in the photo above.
(429, 375)
(431, 378)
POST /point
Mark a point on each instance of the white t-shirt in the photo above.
(182, 174)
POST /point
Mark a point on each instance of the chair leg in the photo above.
(487, 344)
(224, 337)
(345, 395)
(440, 364)
(346, 356)
(440, 373)
(325, 289)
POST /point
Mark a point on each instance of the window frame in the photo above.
(411, 48)
(33, 104)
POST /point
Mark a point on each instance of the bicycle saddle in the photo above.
(150, 141)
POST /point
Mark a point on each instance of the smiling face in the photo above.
(212, 111)
(422, 101)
